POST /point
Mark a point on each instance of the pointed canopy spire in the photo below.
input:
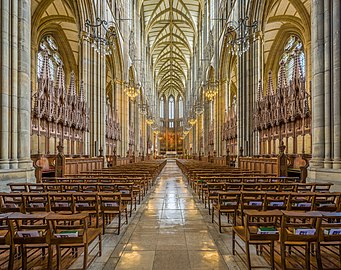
(72, 88)
(60, 77)
(260, 91)
(45, 71)
(297, 66)
(270, 88)
(282, 79)
(81, 97)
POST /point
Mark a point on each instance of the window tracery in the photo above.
(171, 107)
(49, 45)
(292, 47)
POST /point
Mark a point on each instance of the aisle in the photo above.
(168, 232)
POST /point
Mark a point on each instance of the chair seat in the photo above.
(255, 238)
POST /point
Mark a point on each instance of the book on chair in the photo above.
(304, 231)
(71, 233)
(267, 230)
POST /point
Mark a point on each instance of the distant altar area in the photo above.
(171, 154)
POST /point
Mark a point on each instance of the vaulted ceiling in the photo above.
(171, 30)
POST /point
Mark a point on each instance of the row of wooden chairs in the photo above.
(45, 231)
(309, 230)
(96, 205)
(235, 203)
(134, 190)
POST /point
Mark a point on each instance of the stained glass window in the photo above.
(181, 108)
(49, 45)
(171, 107)
(162, 108)
(293, 45)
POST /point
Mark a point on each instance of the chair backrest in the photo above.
(252, 200)
(62, 202)
(330, 230)
(229, 200)
(298, 226)
(68, 229)
(276, 200)
(301, 201)
(32, 187)
(327, 202)
(18, 187)
(29, 228)
(110, 202)
(11, 202)
(86, 202)
(36, 202)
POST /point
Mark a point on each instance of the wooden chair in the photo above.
(88, 203)
(255, 231)
(330, 233)
(212, 193)
(251, 201)
(111, 205)
(6, 243)
(322, 187)
(71, 231)
(301, 201)
(276, 200)
(300, 229)
(18, 187)
(327, 202)
(127, 195)
(62, 203)
(36, 188)
(36, 202)
(30, 231)
(227, 203)
(11, 202)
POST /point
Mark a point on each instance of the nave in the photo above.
(169, 231)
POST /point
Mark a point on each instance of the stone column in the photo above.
(336, 22)
(318, 84)
(5, 17)
(327, 85)
(14, 87)
(24, 87)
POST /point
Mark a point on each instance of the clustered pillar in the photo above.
(326, 111)
(15, 99)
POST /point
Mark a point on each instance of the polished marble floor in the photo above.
(170, 230)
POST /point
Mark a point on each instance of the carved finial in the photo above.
(297, 66)
(282, 79)
(81, 97)
(270, 88)
(60, 83)
(72, 88)
(260, 91)
(45, 71)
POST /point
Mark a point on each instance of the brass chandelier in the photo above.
(211, 89)
(131, 89)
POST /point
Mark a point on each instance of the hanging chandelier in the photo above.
(211, 89)
(239, 35)
(101, 36)
(150, 120)
(131, 89)
(192, 119)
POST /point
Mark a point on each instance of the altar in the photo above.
(171, 154)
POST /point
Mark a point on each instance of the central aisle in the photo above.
(171, 230)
